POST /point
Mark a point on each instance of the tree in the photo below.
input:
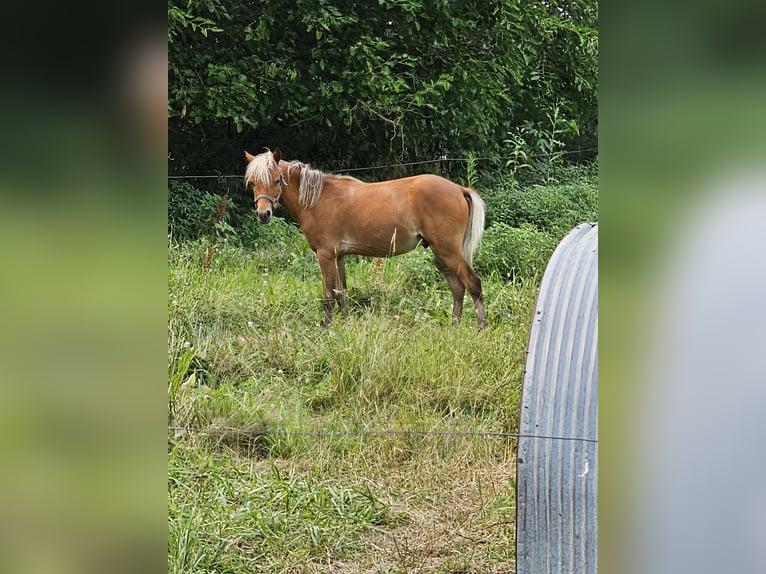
(342, 83)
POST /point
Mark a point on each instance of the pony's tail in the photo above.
(475, 229)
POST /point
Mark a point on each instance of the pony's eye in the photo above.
(276, 182)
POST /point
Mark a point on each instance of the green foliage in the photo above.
(541, 146)
(194, 213)
(191, 211)
(519, 155)
(554, 209)
(514, 253)
(471, 176)
(525, 223)
(342, 83)
(180, 19)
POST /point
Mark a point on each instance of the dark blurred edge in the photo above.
(682, 87)
(83, 231)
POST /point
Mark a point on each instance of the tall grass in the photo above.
(304, 490)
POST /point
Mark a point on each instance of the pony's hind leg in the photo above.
(458, 266)
(457, 288)
(481, 311)
(474, 288)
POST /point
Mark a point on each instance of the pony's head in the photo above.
(265, 175)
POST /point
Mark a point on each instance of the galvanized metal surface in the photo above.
(557, 477)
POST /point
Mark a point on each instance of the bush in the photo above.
(555, 209)
(514, 253)
(194, 213)
(191, 211)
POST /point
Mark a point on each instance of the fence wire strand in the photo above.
(224, 431)
(389, 166)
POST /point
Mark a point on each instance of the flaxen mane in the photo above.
(312, 180)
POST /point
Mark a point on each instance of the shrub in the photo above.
(194, 213)
(191, 211)
(555, 209)
(513, 253)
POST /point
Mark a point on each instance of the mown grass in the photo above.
(304, 490)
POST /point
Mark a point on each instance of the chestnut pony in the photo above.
(341, 215)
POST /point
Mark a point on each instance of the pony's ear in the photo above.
(249, 157)
(277, 155)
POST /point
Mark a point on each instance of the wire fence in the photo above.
(394, 165)
(229, 431)
(259, 432)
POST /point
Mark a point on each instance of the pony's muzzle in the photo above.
(263, 209)
(263, 216)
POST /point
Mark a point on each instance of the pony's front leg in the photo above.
(327, 265)
(340, 290)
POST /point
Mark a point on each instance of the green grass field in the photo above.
(306, 488)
